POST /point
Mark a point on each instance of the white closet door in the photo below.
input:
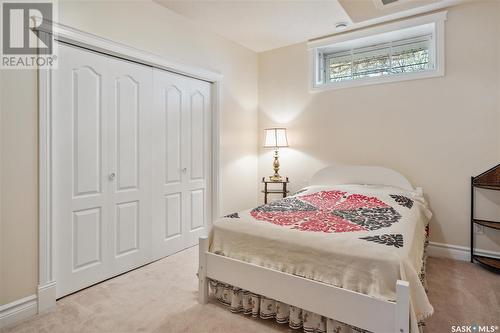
(181, 152)
(129, 175)
(197, 118)
(101, 167)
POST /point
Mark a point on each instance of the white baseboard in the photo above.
(16, 311)
(456, 252)
(46, 297)
(29, 306)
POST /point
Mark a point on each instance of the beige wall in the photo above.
(438, 132)
(18, 206)
(1, 237)
(150, 27)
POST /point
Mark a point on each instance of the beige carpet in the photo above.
(162, 297)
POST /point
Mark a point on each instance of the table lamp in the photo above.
(275, 138)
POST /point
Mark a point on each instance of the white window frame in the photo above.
(314, 47)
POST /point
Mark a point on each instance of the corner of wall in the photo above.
(1, 219)
(498, 79)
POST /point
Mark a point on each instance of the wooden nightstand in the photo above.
(283, 190)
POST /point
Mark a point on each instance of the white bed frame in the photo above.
(347, 306)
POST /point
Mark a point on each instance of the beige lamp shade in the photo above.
(275, 138)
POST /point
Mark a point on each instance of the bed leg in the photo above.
(402, 324)
(202, 271)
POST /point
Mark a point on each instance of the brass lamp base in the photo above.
(275, 178)
(276, 166)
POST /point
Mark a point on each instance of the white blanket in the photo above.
(358, 237)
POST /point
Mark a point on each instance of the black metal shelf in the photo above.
(275, 191)
(489, 180)
(493, 263)
(488, 224)
(487, 187)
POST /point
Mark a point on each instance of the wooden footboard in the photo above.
(329, 301)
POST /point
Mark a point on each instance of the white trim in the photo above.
(401, 307)
(84, 39)
(16, 311)
(327, 300)
(439, 47)
(46, 297)
(456, 252)
(46, 247)
(408, 23)
(202, 271)
(47, 283)
(378, 80)
(216, 156)
(422, 10)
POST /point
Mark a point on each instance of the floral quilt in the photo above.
(359, 237)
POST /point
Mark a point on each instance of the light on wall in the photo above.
(275, 138)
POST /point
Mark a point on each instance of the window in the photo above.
(403, 56)
(392, 53)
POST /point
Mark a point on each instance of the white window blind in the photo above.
(392, 58)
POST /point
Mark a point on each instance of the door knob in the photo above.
(112, 176)
(184, 170)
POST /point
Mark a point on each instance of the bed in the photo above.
(346, 253)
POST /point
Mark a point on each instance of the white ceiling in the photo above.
(262, 25)
(265, 24)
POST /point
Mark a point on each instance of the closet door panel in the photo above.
(168, 170)
(198, 152)
(171, 131)
(129, 100)
(197, 209)
(127, 228)
(101, 159)
(87, 130)
(182, 154)
(127, 137)
(173, 218)
(197, 131)
(79, 163)
(87, 238)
